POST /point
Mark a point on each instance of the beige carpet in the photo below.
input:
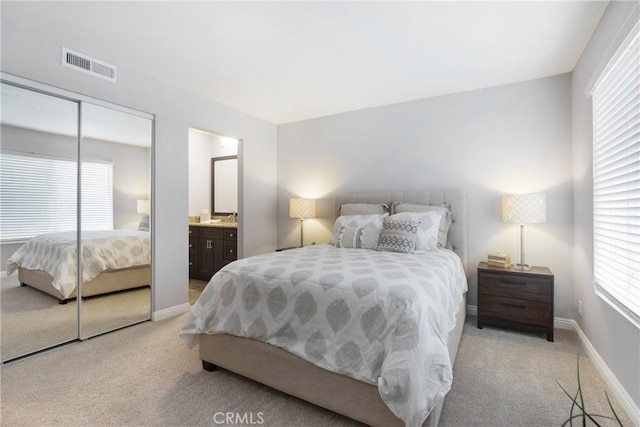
(145, 376)
(32, 320)
(195, 289)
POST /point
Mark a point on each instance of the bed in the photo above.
(112, 261)
(360, 355)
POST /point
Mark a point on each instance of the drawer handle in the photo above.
(190, 245)
(230, 251)
(208, 244)
(190, 231)
(505, 304)
(190, 264)
(506, 282)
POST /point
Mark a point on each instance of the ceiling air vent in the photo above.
(86, 64)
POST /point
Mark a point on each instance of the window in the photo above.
(39, 195)
(616, 180)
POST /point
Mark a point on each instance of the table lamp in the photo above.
(524, 209)
(301, 209)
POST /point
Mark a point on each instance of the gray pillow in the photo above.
(398, 236)
(144, 223)
(363, 209)
(445, 222)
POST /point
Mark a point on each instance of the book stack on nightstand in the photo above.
(499, 259)
(515, 298)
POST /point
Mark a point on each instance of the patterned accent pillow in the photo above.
(398, 236)
(356, 221)
(144, 223)
(358, 237)
(427, 238)
(445, 222)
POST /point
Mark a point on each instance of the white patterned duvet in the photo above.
(56, 254)
(379, 317)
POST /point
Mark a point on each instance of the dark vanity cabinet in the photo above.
(210, 249)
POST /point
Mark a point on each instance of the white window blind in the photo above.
(616, 180)
(39, 195)
(97, 196)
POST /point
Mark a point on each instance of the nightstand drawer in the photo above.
(519, 286)
(523, 311)
(514, 298)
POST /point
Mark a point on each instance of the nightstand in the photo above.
(515, 298)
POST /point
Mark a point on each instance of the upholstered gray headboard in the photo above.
(457, 237)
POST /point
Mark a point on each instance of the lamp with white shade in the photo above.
(524, 209)
(143, 206)
(301, 209)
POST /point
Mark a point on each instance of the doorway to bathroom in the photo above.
(213, 206)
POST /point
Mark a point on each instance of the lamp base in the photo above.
(522, 267)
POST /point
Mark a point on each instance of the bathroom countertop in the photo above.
(215, 225)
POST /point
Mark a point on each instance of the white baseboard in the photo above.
(562, 323)
(170, 312)
(616, 387)
(558, 322)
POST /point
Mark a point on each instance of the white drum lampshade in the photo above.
(301, 209)
(524, 209)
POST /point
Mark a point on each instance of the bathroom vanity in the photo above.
(211, 247)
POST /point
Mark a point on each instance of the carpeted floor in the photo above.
(145, 376)
(195, 289)
(33, 320)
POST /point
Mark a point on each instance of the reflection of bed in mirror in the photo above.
(112, 261)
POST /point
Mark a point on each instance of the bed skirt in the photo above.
(106, 282)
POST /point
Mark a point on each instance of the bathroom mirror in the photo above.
(224, 185)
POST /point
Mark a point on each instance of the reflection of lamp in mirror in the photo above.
(524, 209)
(301, 209)
(143, 206)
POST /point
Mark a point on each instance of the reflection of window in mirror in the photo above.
(224, 185)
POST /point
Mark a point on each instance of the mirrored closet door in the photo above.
(38, 197)
(115, 198)
(75, 180)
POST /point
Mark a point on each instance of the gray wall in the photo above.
(507, 139)
(130, 170)
(614, 337)
(175, 111)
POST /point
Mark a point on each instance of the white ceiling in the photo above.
(290, 61)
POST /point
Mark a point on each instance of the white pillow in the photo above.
(445, 223)
(359, 221)
(427, 237)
